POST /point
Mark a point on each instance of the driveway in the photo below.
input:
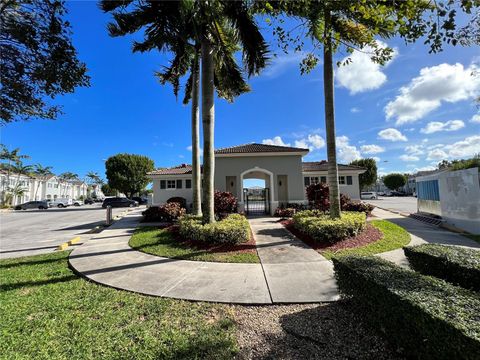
(402, 204)
(33, 232)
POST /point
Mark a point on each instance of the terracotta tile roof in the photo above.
(323, 166)
(177, 170)
(258, 148)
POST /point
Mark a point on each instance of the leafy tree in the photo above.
(211, 30)
(127, 173)
(394, 181)
(12, 157)
(352, 25)
(460, 164)
(369, 177)
(38, 59)
(41, 172)
(108, 191)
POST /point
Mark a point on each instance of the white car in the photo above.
(61, 203)
(78, 202)
(370, 195)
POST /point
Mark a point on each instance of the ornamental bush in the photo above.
(169, 212)
(224, 203)
(234, 229)
(320, 227)
(178, 199)
(456, 265)
(427, 317)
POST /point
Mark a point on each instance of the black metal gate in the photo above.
(257, 201)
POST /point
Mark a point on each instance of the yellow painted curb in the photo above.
(74, 240)
(62, 246)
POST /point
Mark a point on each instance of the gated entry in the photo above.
(257, 201)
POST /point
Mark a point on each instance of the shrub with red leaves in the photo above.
(180, 200)
(169, 212)
(224, 202)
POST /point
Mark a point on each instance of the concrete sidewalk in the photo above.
(420, 233)
(290, 272)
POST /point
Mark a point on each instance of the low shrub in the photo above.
(179, 200)
(456, 265)
(169, 212)
(358, 206)
(284, 212)
(234, 229)
(427, 317)
(321, 227)
(224, 203)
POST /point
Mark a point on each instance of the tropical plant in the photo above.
(11, 157)
(38, 59)
(394, 181)
(354, 25)
(127, 173)
(189, 29)
(41, 172)
(16, 192)
(64, 179)
(20, 169)
(369, 177)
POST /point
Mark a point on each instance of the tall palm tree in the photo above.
(65, 178)
(41, 172)
(12, 157)
(211, 30)
(20, 169)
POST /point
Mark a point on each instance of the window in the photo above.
(170, 184)
(179, 183)
(349, 180)
(163, 184)
(311, 180)
(188, 184)
(323, 179)
(341, 180)
(49, 185)
(306, 181)
(55, 186)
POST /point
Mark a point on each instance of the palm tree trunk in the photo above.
(334, 195)
(196, 172)
(208, 121)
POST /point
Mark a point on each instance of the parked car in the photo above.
(32, 205)
(369, 195)
(140, 200)
(89, 201)
(77, 202)
(398, 193)
(61, 203)
(381, 193)
(119, 202)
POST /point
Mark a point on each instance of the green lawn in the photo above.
(161, 242)
(47, 312)
(394, 237)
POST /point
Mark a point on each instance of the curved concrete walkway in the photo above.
(290, 272)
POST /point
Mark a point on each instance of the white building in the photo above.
(49, 187)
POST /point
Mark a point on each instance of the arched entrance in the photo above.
(256, 196)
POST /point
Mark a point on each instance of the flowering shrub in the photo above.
(234, 229)
(317, 195)
(224, 202)
(169, 212)
(180, 200)
(284, 212)
(322, 228)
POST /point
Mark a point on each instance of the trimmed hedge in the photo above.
(234, 229)
(168, 212)
(321, 227)
(456, 265)
(427, 317)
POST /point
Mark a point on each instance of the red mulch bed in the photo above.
(246, 247)
(367, 236)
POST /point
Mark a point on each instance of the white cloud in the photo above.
(346, 153)
(355, 110)
(464, 148)
(406, 157)
(189, 148)
(475, 119)
(392, 135)
(362, 74)
(435, 126)
(372, 149)
(277, 140)
(376, 158)
(425, 168)
(281, 63)
(414, 150)
(312, 142)
(434, 85)
(437, 154)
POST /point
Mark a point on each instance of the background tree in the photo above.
(108, 191)
(394, 181)
(41, 172)
(355, 25)
(9, 158)
(19, 169)
(369, 177)
(38, 59)
(127, 173)
(65, 178)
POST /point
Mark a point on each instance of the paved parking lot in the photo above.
(403, 204)
(32, 232)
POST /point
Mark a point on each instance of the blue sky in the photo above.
(410, 114)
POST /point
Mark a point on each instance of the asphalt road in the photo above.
(32, 232)
(403, 204)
